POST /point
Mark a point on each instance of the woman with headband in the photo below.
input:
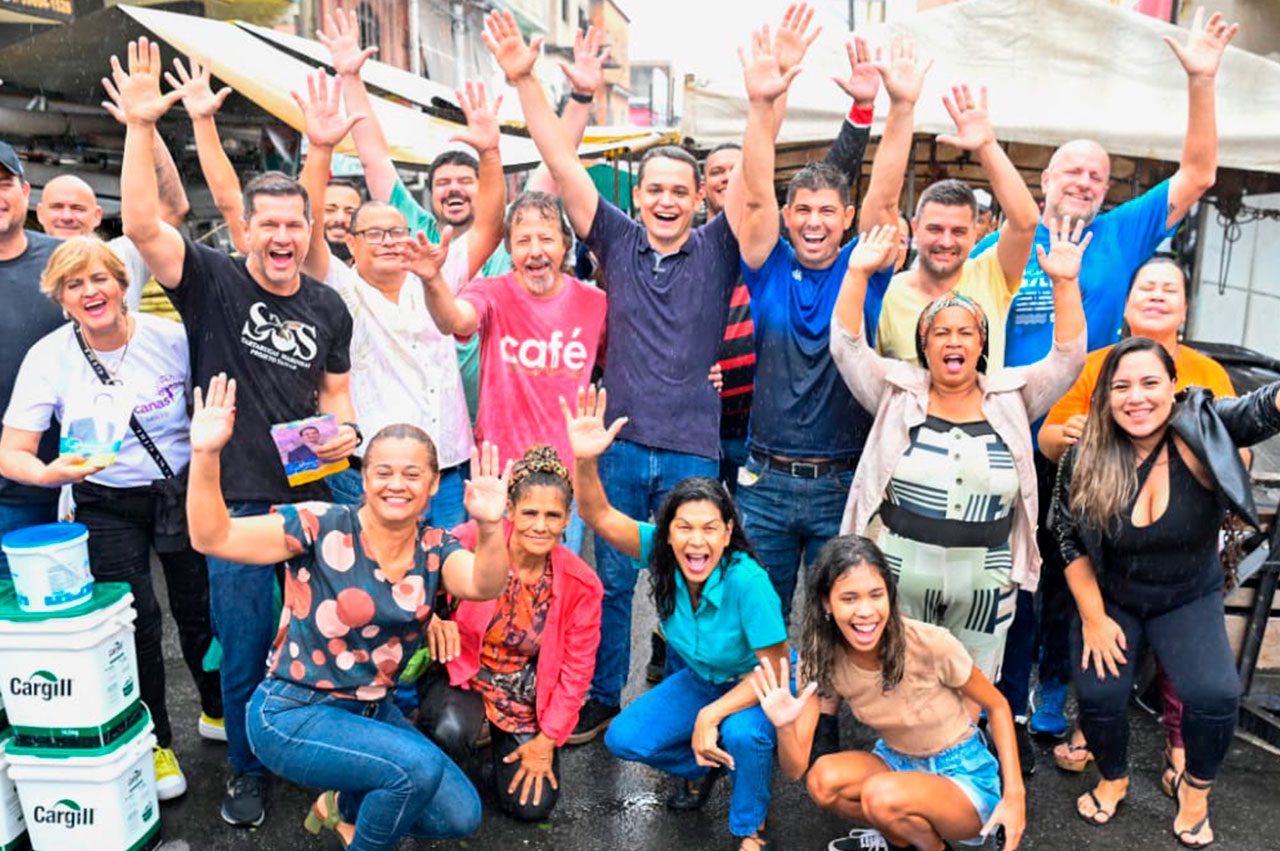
(523, 661)
(948, 465)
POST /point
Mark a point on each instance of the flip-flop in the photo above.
(1078, 758)
(1099, 810)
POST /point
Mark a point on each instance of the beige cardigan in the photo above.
(898, 393)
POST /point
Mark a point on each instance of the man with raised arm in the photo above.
(1075, 184)
(283, 336)
(946, 227)
(806, 430)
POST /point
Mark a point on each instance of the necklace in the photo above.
(114, 371)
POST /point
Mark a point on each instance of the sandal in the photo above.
(1168, 774)
(1072, 756)
(1101, 815)
(1188, 837)
(330, 819)
(693, 796)
(758, 842)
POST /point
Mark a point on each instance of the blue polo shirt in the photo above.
(1123, 239)
(666, 318)
(738, 614)
(802, 408)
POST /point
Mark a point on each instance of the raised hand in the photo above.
(588, 438)
(503, 38)
(423, 257)
(874, 249)
(482, 131)
(586, 74)
(792, 41)
(1066, 249)
(1206, 43)
(762, 73)
(863, 82)
(213, 416)
(774, 693)
(198, 96)
(902, 75)
(486, 495)
(135, 95)
(973, 122)
(341, 34)
(322, 116)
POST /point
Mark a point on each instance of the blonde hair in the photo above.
(72, 257)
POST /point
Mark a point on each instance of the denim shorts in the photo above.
(968, 764)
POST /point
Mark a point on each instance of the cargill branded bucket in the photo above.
(70, 678)
(50, 566)
(104, 800)
(13, 829)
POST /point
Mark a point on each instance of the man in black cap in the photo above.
(27, 316)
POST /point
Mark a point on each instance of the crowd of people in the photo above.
(971, 433)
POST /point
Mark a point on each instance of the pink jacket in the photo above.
(898, 393)
(567, 657)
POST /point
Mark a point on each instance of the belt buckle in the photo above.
(370, 709)
(804, 469)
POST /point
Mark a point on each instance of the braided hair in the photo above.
(540, 466)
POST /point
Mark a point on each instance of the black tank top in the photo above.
(1173, 561)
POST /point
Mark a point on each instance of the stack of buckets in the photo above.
(76, 769)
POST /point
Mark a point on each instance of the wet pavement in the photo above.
(605, 803)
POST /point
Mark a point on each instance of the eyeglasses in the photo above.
(377, 236)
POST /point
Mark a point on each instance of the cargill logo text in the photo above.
(66, 813)
(41, 684)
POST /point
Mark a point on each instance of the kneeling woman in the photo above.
(930, 779)
(524, 661)
(718, 611)
(358, 592)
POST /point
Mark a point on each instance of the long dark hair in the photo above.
(662, 561)
(821, 642)
(1105, 479)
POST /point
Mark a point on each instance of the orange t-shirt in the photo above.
(1194, 370)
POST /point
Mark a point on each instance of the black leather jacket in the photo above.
(1212, 429)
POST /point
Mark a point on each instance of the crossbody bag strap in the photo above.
(138, 431)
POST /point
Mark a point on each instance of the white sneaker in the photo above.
(213, 729)
(861, 839)
(170, 781)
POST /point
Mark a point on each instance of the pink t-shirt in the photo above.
(533, 350)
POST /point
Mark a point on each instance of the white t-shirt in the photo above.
(155, 366)
(137, 268)
(403, 370)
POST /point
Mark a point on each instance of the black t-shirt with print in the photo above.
(277, 348)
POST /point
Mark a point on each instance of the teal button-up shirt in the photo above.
(738, 613)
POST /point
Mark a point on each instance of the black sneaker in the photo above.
(245, 802)
(592, 721)
(657, 667)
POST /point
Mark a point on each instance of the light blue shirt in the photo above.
(738, 613)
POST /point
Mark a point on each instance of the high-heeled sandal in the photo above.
(330, 819)
(1187, 837)
(1073, 757)
(1168, 774)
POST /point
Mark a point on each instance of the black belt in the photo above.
(946, 533)
(805, 469)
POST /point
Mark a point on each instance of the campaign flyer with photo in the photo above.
(297, 442)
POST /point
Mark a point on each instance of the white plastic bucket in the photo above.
(12, 826)
(105, 801)
(70, 680)
(50, 566)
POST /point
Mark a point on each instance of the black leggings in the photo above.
(452, 718)
(1191, 643)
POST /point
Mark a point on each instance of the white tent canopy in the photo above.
(1055, 70)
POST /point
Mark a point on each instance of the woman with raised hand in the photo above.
(930, 779)
(718, 611)
(1137, 508)
(523, 661)
(359, 588)
(948, 465)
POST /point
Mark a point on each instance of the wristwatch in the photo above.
(582, 97)
(356, 429)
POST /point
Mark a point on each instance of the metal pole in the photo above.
(458, 29)
(415, 38)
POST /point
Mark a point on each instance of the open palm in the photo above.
(136, 93)
(213, 418)
(774, 693)
(486, 492)
(588, 437)
(973, 122)
(482, 131)
(503, 38)
(863, 82)
(1206, 43)
(903, 77)
(793, 39)
(342, 36)
(586, 74)
(1066, 249)
(198, 97)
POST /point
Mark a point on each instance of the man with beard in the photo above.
(404, 368)
(283, 337)
(342, 197)
(945, 229)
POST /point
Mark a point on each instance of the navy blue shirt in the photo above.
(665, 322)
(802, 408)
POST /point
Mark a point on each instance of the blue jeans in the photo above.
(786, 517)
(242, 602)
(392, 781)
(968, 764)
(20, 515)
(733, 454)
(636, 479)
(444, 511)
(657, 729)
